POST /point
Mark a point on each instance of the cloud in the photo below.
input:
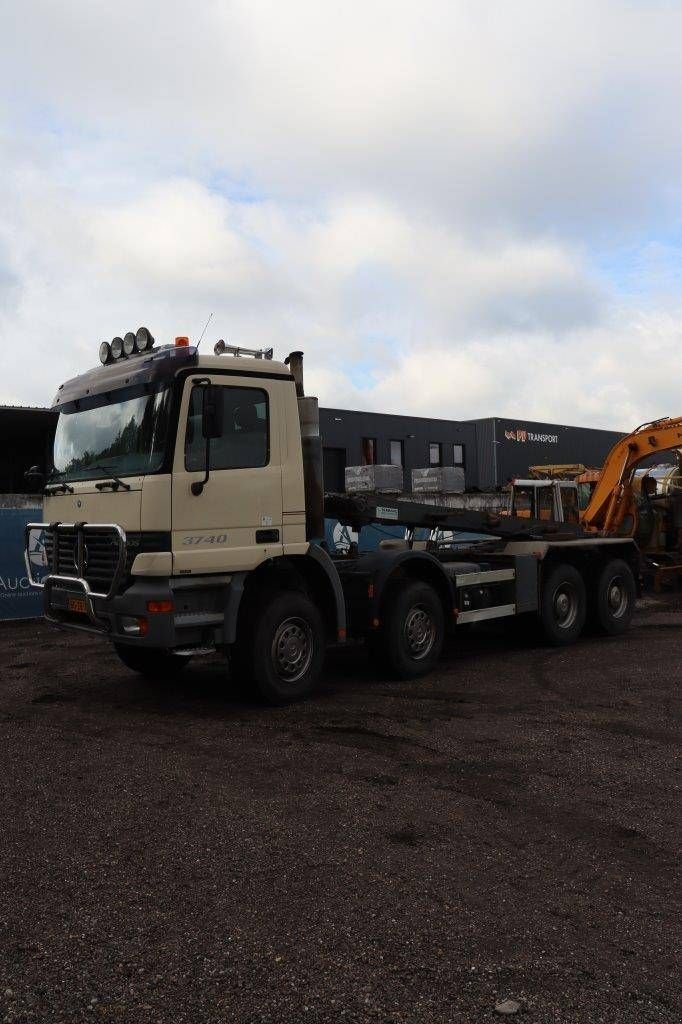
(473, 110)
(456, 209)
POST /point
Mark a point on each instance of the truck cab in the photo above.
(176, 478)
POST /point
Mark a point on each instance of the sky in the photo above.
(456, 209)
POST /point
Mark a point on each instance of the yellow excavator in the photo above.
(614, 507)
(626, 499)
(645, 503)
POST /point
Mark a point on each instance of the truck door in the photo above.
(236, 521)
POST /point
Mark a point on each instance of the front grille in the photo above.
(101, 553)
(100, 556)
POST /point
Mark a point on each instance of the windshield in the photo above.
(120, 434)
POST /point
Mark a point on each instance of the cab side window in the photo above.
(569, 501)
(245, 440)
(545, 499)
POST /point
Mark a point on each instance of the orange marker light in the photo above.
(181, 341)
(156, 607)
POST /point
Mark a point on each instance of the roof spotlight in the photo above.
(105, 353)
(117, 347)
(129, 343)
(144, 339)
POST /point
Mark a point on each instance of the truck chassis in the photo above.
(402, 599)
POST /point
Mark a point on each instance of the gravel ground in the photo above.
(405, 852)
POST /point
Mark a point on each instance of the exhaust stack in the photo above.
(295, 363)
(311, 444)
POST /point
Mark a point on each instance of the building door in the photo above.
(334, 467)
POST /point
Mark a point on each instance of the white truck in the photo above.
(184, 514)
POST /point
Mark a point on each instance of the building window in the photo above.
(369, 451)
(458, 454)
(397, 453)
(435, 454)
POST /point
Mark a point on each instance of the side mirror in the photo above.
(212, 415)
(35, 478)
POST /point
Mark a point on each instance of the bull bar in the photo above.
(80, 530)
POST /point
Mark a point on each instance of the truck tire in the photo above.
(614, 600)
(287, 642)
(410, 640)
(153, 664)
(563, 605)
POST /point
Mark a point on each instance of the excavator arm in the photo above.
(613, 508)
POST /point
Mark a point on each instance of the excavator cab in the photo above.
(554, 501)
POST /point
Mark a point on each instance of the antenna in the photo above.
(204, 330)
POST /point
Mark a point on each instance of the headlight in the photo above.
(117, 347)
(144, 339)
(129, 343)
(105, 353)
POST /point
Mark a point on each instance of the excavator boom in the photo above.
(612, 507)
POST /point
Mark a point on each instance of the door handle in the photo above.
(267, 536)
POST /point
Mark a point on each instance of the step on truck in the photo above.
(184, 514)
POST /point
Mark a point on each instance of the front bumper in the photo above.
(114, 617)
(202, 610)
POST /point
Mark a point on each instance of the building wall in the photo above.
(343, 431)
(524, 443)
(496, 450)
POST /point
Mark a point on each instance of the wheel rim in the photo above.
(419, 632)
(565, 604)
(617, 597)
(292, 649)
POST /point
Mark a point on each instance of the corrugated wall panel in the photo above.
(486, 453)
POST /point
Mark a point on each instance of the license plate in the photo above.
(77, 604)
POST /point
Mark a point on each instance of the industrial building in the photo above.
(26, 440)
(490, 451)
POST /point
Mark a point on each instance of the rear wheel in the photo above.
(152, 663)
(282, 655)
(614, 600)
(410, 639)
(563, 605)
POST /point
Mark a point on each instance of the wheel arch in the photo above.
(388, 567)
(313, 573)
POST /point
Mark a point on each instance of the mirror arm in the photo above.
(198, 485)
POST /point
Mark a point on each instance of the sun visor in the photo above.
(156, 367)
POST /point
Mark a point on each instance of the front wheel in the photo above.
(286, 648)
(152, 663)
(563, 605)
(614, 601)
(411, 637)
